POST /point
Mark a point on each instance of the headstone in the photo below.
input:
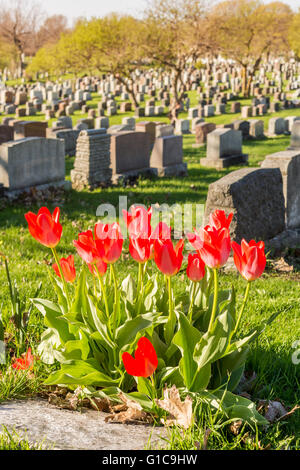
(25, 129)
(256, 128)
(6, 133)
(276, 126)
(182, 126)
(288, 162)
(201, 132)
(243, 126)
(32, 162)
(255, 196)
(92, 162)
(167, 156)
(101, 122)
(224, 149)
(149, 127)
(69, 136)
(130, 154)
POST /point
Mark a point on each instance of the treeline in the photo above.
(173, 34)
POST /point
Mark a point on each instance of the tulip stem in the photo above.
(242, 308)
(115, 303)
(190, 314)
(103, 292)
(215, 303)
(62, 276)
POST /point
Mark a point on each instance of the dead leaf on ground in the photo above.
(181, 413)
(282, 266)
(272, 410)
(132, 412)
(235, 427)
(69, 400)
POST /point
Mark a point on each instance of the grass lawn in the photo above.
(270, 358)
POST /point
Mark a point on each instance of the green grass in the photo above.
(270, 358)
(11, 440)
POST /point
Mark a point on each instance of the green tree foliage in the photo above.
(294, 35)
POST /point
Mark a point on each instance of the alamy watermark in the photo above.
(296, 354)
(183, 218)
(2, 353)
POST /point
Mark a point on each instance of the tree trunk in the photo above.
(244, 81)
(129, 90)
(177, 98)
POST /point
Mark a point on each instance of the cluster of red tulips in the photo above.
(103, 247)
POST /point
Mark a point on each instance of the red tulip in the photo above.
(219, 220)
(161, 232)
(250, 259)
(25, 362)
(109, 241)
(86, 247)
(140, 249)
(167, 258)
(138, 221)
(213, 245)
(196, 268)
(101, 267)
(144, 362)
(44, 227)
(67, 267)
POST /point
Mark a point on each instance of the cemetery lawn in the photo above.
(271, 359)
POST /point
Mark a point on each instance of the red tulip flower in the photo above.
(109, 241)
(167, 258)
(250, 259)
(145, 360)
(138, 221)
(67, 267)
(161, 232)
(25, 362)
(99, 266)
(140, 249)
(213, 245)
(86, 247)
(219, 220)
(196, 268)
(45, 227)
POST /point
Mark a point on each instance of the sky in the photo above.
(75, 8)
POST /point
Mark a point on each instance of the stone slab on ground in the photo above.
(73, 430)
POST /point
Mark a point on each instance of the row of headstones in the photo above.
(101, 157)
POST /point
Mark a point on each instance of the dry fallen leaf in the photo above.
(181, 413)
(132, 412)
(273, 410)
(235, 427)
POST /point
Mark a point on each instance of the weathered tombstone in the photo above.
(295, 137)
(32, 162)
(6, 133)
(129, 122)
(224, 149)
(102, 122)
(69, 136)
(25, 129)
(276, 126)
(235, 107)
(289, 121)
(256, 128)
(129, 154)
(288, 162)
(164, 130)
(246, 112)
(182, 126)
(255, 196)
(92, 162)
(167, 156)
(209, 110)
(149, 127)
(243, 126)
(201, 132)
